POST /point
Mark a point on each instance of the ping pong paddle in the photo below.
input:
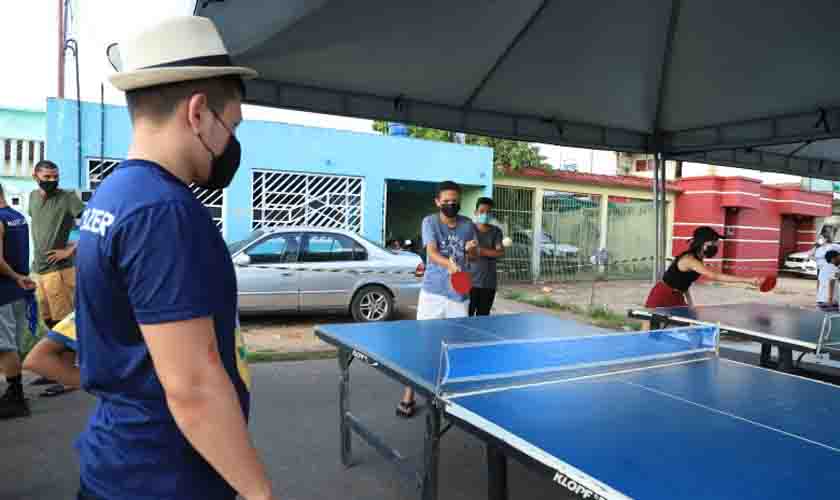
(461, 281)
(768, 284)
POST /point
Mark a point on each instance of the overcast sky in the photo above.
(29, 38)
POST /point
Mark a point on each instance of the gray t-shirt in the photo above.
(484, 269)
(449, 242)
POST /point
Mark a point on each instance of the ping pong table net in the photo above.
(466, 368)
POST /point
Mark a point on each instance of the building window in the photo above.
(315, 200)
(98, 170)
(213, 199)
(644, 165)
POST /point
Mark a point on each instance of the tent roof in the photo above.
(701, 80)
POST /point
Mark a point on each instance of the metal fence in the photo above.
(569, 235)
(514, 213)
(629, 237)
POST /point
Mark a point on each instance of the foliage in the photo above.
(506, 153)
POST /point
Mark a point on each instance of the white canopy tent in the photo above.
(743, 83)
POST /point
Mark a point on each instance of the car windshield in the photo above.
(374, 243)
(239, 245)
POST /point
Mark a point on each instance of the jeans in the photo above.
(481, 301)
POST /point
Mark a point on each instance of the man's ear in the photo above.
(195, 106)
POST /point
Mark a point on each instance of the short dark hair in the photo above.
(159, 102)
(45, 165)
(484, 201)
(448, 186)
(829, 255)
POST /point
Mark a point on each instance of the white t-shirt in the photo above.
(819, 253)
(827, 273)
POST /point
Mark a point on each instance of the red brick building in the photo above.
(760, 223)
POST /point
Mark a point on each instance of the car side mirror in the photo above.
(242, 260)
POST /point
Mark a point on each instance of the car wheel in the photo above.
(372, 303)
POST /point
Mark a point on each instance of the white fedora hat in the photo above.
(176, 50)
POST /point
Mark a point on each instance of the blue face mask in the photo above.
(482, 218)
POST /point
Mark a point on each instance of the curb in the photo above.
(277, 356)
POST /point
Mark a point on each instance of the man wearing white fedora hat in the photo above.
(157, 322)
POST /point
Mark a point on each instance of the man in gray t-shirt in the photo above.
(483, 269)
(450, 243)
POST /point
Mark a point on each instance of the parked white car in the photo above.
(800, 263)
(304, 269)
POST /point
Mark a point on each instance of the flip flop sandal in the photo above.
(405, 409)
(56, 390)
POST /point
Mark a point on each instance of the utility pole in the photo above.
(60, 49)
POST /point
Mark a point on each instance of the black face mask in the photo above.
(710, 251)
(49, 187)
(450, 209)
(224, 166)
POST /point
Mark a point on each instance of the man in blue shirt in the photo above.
(156, 312)
(450, 240)
(14, 285)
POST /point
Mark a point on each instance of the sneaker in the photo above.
(13, 404)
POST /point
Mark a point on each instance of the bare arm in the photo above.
(689, 262)
(434, 255)
(689, 298)
(45, 359)
(492, 252)
(831, 285)
(204, 403)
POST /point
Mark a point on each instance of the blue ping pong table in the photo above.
(623, 415)
(789, 328)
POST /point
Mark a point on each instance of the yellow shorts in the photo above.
(55, 294)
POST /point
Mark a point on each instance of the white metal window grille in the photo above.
(19, 156)
(213, 199)
(315, 200)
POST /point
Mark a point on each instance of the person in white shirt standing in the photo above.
(827, 278)
(824, 244)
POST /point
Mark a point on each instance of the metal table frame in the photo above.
(437, 424)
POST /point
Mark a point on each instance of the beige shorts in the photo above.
(56, 293)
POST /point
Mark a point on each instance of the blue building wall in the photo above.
(279, 146)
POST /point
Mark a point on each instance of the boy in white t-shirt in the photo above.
(827, 291)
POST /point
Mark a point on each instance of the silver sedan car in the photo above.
(304, 269)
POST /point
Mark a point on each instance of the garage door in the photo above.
(315, 200)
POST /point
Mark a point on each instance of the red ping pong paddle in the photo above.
(461, 281)
(768, 284)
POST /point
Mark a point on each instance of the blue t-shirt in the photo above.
(449, 242)
(148, 253)
(15, 252)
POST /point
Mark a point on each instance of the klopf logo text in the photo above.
(575, 487)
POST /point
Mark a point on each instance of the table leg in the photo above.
(344, 360)
(497, 488)
(431, 453)
(785, 360)
(765, 355)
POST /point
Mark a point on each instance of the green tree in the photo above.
(506, 153)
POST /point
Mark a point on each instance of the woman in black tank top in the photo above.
(674, 289)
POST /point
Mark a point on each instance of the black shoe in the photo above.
(13, 404)
(42, 381)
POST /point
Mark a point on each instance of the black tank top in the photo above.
(679, 280)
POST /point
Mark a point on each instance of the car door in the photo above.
(330, 264)
(269, 279)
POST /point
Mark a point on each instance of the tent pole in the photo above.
(657, 221)
(663, 214)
